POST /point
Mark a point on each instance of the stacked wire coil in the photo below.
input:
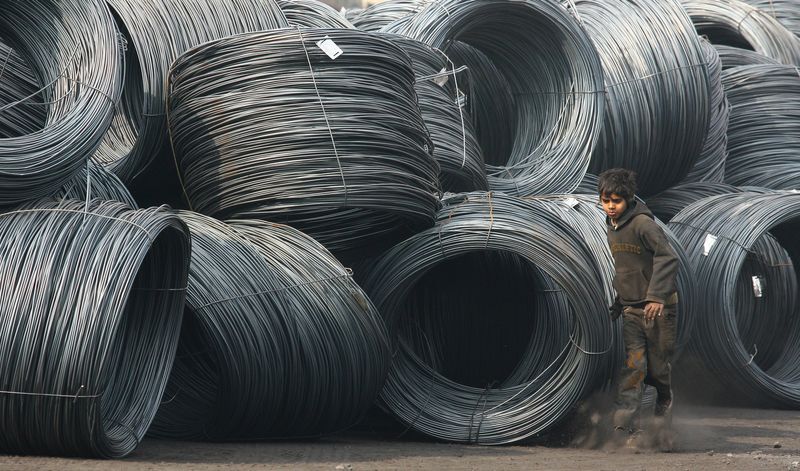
(278, 340)
(73, 49)
(381, 14)
(312, 14)
(736, 57)
(785, 11)
(91, 309)
(268, 126)
(19, 82)
(554, 73)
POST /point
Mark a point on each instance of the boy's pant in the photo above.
(649, 347)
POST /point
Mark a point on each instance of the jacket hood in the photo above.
(636, 208)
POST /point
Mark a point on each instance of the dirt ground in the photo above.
(708, 439)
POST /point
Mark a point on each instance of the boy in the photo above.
(645, 268)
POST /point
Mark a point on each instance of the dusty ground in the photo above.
(708, 439)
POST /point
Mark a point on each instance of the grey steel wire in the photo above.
(764, 128)
(100, 183)
(336, 148)
(18, 81)
(667, 204)
(657, 89)
(558, 295)
(785, 11)
(278, 340)
(438, 87)
(381, 14)
(738, 221)
(90, 312)
(157, 32)
(312, 14)
(73, 50)
(738, 24)
(554, 73)
(736, 57)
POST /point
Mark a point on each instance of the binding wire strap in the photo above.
(554, 74)
(785, 11)
(333, 146)
(499, 321)
(657, 105)
(278, 340)
(752, 261)
(90, 312)
(73, 51)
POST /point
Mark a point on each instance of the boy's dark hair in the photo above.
(617, 180)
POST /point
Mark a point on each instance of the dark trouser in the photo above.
(649, 347)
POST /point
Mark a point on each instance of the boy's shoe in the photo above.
(663, 408)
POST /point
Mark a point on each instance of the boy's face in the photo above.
(613, 204)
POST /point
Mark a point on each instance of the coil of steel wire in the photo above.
(736, 57)
(91, 308)
(157, 32)
(312, 14)
(100, 183)
(336, 148)
(720, 233)
(381, 14)
(735, 23)
(657, 91)
(785, 11)
(667, 204)
(438, 91)
(764, 128)
(19, 82)
(588, 185)
(73, 49)
(278, 340)
(710, 165)
(554, 73)
(499, 319)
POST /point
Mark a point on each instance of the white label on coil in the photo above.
(461, 101)
(758, 287)
(572, 202)
(709, 242)
(329, 47)
(442, 78)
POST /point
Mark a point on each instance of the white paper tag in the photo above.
(329, 47)
(758, 287)
(709, 242)
(572, 202)
(442, 78)
(461, 101)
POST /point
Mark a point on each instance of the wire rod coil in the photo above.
(785, 11)
(764, 128)
(564, 347)
(312, 14)
(381, 14)
(667, 204)
(657, 90)
(100, 183)
(720, 233)
(19, 82)
(336, 148)
(736, 57)
(91, 309)
(157, 32)
(555, 75)
(738, 24)
(278, 340)
(72, 48)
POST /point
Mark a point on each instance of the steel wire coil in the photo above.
(278, 340)
(438, 92)
(667, 204)
(657, 89)
(18, 82)
(764, 128)
(554, 73)
(312, 14)
(785, 11)
(720, 233)
(157, 32)
(381, 14)
(735, 57)
(100, 183)
(735, 23)
(516, 260)
(710, 165)
(336, 148)
(72, 48)
(91, 309)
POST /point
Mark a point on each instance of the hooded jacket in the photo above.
(644, 261)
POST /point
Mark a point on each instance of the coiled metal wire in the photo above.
(764, 128)
(657, 90)
(90, 312)
(720, 234)
(667, 204)
(439, 91)
(738, 24)
(73, 49)
(785, 11)
(736, 57)
(554, 73)
(502, 275)
(278, 340)
(19, 82)
(100, 183)
(381, 14)
(157, 32)
(336, 148)
(312, 14)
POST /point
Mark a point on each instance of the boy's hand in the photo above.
(653, 310)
